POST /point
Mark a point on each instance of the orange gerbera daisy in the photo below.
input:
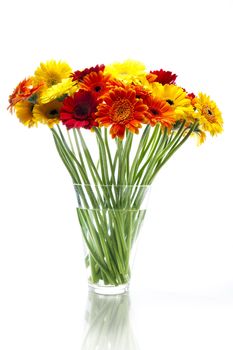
(23, 91)
(96, 83)
(122, 110)
(159, 112)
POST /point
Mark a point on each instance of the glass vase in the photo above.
(110, 217)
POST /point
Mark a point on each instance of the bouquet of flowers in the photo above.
(115, 102)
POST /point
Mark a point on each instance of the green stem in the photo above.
(109, 157)
(89, 158)
(141, 145)
(175, 147)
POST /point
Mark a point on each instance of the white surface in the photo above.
(182, 285)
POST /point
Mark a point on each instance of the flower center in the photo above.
(53, 79)
(121, 110)
(170, 102)
(53, 113)
(209, 115)
(97, 88)
(154, 111)
(53, 82)
(81, 111)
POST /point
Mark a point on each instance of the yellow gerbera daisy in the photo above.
(65, 87)
(23, 110)
(209, 115)
(52, 72)
(47, 113)
(129, 71)
(176, 97)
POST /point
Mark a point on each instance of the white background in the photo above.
(182, 284)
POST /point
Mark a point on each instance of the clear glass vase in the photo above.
(110, 218)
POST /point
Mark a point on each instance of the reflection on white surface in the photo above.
(108, 324)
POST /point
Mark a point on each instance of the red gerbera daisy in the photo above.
(162, 77)
(23, 91)
(80, 74)
(122, 110)
(79, 110)
(159, 111)
(96, 82)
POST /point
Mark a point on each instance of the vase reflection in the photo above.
(108, 323)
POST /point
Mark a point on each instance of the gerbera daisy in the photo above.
(161, 76)
(80, 74)
(176, 97)
(95, 82)
(209, 116)
(23, 110)
(47, 113)
(23, 91)
(159, 111)
(52, 72)
(129, 71)
(79, 110)
(58, 91)
(122, 110)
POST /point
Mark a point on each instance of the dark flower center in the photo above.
(81, 111)
(209, 115)
(97, 88)
(170, 102)
(154, 111)
(53, 113)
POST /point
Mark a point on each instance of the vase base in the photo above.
(108, 290)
